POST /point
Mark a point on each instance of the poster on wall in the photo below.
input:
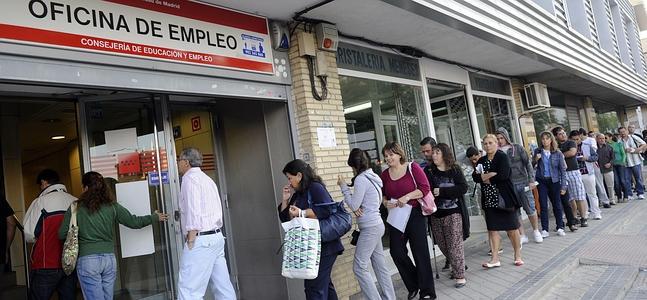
(180, 31)
(134, 196)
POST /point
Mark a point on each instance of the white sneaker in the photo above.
(544, 234)
(524, 239)
(561, 232)
(597, 217)
(641, 197)
(538, 237)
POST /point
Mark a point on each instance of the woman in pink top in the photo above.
(400, 189)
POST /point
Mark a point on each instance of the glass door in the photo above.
(123, 139)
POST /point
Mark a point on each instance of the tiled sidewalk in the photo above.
(614, 245)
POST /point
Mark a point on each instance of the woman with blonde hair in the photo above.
(499, 200)
(551, 176)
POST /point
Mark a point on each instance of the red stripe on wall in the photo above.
(203, 12)
(74, 40)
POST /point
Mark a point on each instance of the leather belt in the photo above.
(209, 232)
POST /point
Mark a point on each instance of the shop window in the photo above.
(608, 122)
(546, 120)
(378, 112)
(494, 113)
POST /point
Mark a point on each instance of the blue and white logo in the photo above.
(253, 46)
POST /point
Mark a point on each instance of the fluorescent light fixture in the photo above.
(58, 137)
(358, 107)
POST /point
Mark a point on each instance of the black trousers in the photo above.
(418, 276)
(45, 281)
(566, 205)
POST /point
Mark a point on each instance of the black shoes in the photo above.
(572, 228)
(447, 266)
(606, 205)
(412, 294)
(584, 223)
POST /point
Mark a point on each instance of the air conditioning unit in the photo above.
(536, 95)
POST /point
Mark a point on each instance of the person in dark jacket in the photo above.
(304, 183)
(605, 161)
(523, 179)
(493, 173)
(449, 187)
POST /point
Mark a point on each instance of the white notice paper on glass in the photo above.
(399, 216)
(326, 137)
(134, 196)
(122, 140)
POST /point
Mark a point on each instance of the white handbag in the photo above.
(301, 248)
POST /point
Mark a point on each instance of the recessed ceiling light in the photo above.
(58, 137)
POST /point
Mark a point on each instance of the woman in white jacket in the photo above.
(365, 203)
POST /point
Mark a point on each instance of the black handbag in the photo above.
(354, 237)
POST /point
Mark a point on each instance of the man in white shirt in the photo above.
(634, 145)
(203, 258)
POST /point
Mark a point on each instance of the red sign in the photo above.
(173, 30)
(195, 124)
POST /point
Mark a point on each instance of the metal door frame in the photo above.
(171, 259)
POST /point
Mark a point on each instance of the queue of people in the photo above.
(576, 174)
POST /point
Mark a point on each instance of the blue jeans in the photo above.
(550, 190)
(638, 177)
(97, 274)
(622, 183)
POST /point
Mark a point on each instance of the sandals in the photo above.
(489, 265)
(459, 285)
(518, 262)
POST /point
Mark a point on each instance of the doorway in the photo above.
(245, 144)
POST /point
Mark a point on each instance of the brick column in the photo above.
(327, 162)
(589, 114)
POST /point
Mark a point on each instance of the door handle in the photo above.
(177, 215)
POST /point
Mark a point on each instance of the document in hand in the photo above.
(399, 216)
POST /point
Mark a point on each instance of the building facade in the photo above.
(130, 84)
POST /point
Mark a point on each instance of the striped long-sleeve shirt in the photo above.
(200, 206)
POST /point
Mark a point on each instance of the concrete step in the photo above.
(589, 280)
(638, 289)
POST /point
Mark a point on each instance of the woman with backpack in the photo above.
(365, 204)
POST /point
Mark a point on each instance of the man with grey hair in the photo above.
(203, 257)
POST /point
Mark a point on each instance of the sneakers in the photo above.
(624, 200)
(597, 217)
(538, 237)
(584, 222)
(606, 205)
(544, 234)
(524, 239)
(560, 232)
(641, 197)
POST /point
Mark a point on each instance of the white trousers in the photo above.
(599, 186)
(591, 193)
(203, 264)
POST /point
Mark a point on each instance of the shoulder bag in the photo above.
(336, 224)
(427, 202)
(71, 245)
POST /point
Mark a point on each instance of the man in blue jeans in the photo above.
(633, 147)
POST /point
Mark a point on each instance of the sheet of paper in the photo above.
(134, 196)
(122, 140)
(326, 137)
(399, 216)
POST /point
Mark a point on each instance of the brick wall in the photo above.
(330, 162)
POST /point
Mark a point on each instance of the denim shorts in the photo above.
(526, 198)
